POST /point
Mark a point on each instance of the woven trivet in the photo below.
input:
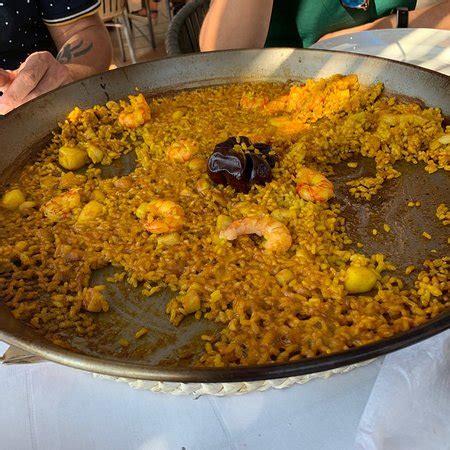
(16, 356)
(221, 389)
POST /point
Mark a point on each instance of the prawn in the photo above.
(276, 105)
(163, 216)
(285, 102)
(286, 125)
(252, 101)
(278, 237)
(136, 113)
(59, 207)
(182, 150)
(93, 299)
(313, 186)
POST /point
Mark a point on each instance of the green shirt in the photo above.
(300, 23)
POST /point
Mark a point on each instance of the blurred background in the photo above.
(138, 28)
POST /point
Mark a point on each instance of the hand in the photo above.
(40, 73)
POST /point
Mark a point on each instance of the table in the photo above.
(420, 46)
(46, 406)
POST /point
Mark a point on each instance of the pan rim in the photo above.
(247, 50)
(136, 370)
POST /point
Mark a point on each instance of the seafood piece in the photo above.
(70, 180)
(295, 97)
(61, 206)
(278, 237)
(169, 239)
(313, 186)
(284, 277)
(222, 222)
(90, 212)
(94, 152)
(75, 115)
(93, 299)
(142, 210)
(27, 205)
(203, 184)
(163, 216)
(288, 126)
(136, 113)
(68, 253)
(191, 301)
(251, 101)
(179, 113)
(72, 158)
(360, 279)
(98, 195)
(198, 164)
(277, 105)
(13, 199)
(182, 150)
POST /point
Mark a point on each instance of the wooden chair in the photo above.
(115, 11)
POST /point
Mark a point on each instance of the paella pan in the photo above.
(396, 221)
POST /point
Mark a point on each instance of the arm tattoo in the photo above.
(70, 51)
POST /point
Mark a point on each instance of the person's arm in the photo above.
(84, 46)
(84, 49)
(437, 16)
(236, 24)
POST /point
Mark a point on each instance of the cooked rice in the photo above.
(46, 267)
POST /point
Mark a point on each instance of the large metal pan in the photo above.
(26, 130)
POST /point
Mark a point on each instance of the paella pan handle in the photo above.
(14, 355)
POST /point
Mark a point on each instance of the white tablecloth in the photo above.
(399, 403)
(45, 406)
